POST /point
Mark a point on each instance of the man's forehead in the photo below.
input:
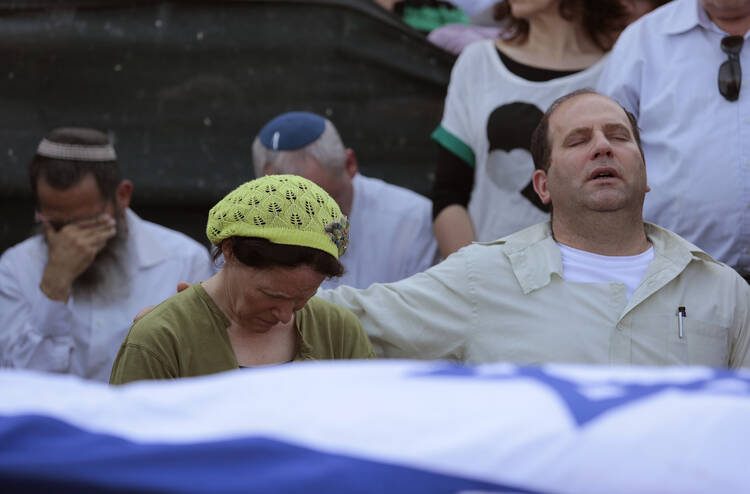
(586, 110)
(83, 194)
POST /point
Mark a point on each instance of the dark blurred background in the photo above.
(183, 87)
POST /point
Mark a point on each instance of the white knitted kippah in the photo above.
(76, 152)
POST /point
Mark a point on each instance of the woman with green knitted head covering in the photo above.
(280, 236)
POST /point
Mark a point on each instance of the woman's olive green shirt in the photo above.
(186, 336)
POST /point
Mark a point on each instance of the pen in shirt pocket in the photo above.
(681, 314)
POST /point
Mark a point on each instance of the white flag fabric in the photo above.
(382, 427)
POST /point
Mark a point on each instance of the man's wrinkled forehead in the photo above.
(585, 111)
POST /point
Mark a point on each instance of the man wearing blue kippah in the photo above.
(391, 227)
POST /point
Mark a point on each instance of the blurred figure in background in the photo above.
(391, 232)
(425, 15)
(680, 71)
(68, 294)
(486, 25)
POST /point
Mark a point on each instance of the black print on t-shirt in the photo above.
(509, 129)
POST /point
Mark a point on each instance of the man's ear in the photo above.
(351, 163)
(539, 179)
(123, 194)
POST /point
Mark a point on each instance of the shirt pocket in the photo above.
(707, 343)
(656, 341)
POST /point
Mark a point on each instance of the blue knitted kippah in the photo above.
(292, 130)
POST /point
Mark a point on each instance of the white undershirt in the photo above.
(585, 267)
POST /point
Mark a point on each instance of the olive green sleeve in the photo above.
(332, 332)
(345, 327)
(357, 343)
(136, 363)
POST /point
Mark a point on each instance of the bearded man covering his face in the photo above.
(68, 293)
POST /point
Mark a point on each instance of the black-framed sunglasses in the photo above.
(730, 72)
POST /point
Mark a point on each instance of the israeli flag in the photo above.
(382, 427)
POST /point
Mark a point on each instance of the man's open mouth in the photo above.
(600, 173)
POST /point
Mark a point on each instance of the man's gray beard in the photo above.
(107, 276)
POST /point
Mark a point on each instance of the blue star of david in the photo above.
(583, 408)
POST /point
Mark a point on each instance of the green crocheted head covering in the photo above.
(284, 209)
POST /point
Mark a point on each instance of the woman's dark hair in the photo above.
(601, 19)
(261, 253)
(62, 174)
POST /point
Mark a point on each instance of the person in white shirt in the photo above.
(68, 294)
(391, 227)
(679, 70)
(594, 285)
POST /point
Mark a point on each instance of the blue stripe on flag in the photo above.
(40, 453)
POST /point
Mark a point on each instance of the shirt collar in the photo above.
(304, 348)
(148, 249)
(672, 254)
(535, 257)
(674, 247)
(686, 16)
